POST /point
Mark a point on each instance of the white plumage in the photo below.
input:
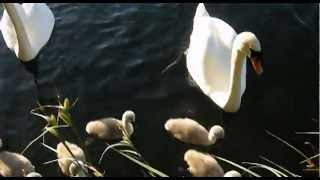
(216, 59)
(26, 28)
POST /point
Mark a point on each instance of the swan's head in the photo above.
(249, 44)
(129, 116)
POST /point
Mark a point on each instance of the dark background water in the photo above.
(110, 56)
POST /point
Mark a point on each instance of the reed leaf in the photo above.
(109, 147)
(274, 171)
(238, 166)
(280, 167)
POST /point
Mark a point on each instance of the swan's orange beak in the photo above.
(256, 60)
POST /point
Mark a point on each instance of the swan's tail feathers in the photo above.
(176, 61)
(201, 11)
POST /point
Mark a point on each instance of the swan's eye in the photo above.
(255, 53)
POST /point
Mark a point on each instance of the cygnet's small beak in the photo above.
(256, 61)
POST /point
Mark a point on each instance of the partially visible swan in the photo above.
(26, 28)
(216, 59)
(111, 128)
(202, 165)
(191, 132)
(66, 161)
(14, 165)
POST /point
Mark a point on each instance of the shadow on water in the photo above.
(111, 57)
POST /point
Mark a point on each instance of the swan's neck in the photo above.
(17, 17)
(234, 90)
(127, 126)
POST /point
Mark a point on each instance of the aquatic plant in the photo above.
(74, 160)
(130, 151)
(69, 161)
(54, 123)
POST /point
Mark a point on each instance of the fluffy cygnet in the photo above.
(202, 165)
(14, 164)
(66, 159)
(191, 132)
(111, 128)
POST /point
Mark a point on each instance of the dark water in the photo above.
(110, 56)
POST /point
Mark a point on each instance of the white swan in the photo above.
(26, 28)
(216, 59)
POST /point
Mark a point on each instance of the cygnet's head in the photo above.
(232, 173)
(202, 165)
(129, 116)
(215, 133)
(75, 169)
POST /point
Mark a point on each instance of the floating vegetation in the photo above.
(73, 157)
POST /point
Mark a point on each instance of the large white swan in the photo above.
(216, 59)
(26, 28)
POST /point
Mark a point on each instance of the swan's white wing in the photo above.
(201, 11)
(40, 22)
(8, 31)
(209, 55)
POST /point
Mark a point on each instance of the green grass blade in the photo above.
(280, 167)
(109, 147)
(33, 141)
(238, 166)
(49, 147)
(286, 143)
(274, 171)
(258, 167)
(131, 152)
(312, 133)
(149, 168)
(56, 160)
(37, 138)
(308, 159)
